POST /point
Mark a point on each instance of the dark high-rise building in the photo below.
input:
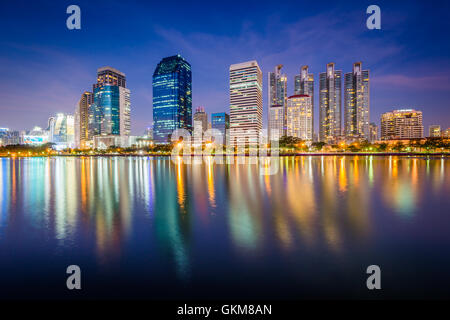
(330, 104)
(277, 97)
(172, 97)
(221, 122)
(357, 104)
(82, 119)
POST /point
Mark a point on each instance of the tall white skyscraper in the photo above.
(330, 97)
(304, 84)
(299, 117)
(277, 97)
(357, 104)
(245, 103)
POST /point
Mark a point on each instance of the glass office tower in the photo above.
(357, 104)
(277, 98)
(106, 99)
(330, 104)
(221, 122)
(110, 112)
(172, 97)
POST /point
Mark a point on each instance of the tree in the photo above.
(318, 145)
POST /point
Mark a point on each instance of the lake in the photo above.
(147, 227)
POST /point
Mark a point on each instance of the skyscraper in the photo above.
(245, 103)
(200, 124)
(299, 117)
(401, 124)
(82, 119)
(221, 122)
(357, 104)
(110, 112)
(201, 118)
(373, 132)
(304, 84)
(277, 96)
(330, 104)
(172, 97)
(276, 119)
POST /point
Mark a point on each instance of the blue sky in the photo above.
(45, 67)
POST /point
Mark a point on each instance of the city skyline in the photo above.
(407, 71)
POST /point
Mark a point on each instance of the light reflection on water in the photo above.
(182, 221)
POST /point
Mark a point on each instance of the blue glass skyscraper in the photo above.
(106, 99)
(172, 97)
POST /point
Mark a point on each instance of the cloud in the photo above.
(427, 82)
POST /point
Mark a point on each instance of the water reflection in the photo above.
(137, 204)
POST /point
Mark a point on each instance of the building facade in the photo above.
(434, 131)
(200, 124)
(82, 119)
(357, 104)
(276, 120)
(62, 131)
(299, 117)
(304, 84)
(221, 122)
(172, 97)
(201, 118)
(277, 98)
(109, 114)
(245, 103)
(330, 97)
(401, 124)
(373, 132)
(447, 133)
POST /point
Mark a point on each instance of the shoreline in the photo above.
(320, 154)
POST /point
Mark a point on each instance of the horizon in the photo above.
(55, 65)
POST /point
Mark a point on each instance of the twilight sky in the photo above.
(44, 67)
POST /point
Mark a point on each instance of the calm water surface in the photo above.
(149, 228)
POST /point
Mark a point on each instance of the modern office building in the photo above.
(245, 103)
(446, 133)
(36, 136)
(330, 97)
(62, 131)
(277, 97)
(357, 104)
(200, 125)
(172, 97)
(276, 120)
(12, 138)
(221, 122)
(373, 132)
(110, 112)
(304, 84)
(4, 133)
(148, 133)
(201, 118)
(401, 124)
(434, 131)
(82, 119)
(299, 117)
